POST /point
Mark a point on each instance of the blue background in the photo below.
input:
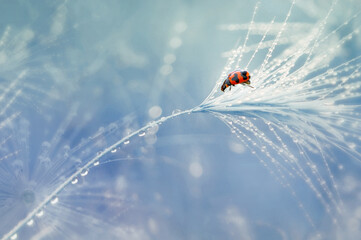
(92, 72)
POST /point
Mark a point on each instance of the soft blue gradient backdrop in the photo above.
(103, 61)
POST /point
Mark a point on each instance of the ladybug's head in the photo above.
(224, 86)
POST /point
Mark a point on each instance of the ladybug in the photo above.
(236, 77)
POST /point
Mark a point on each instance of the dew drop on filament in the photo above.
(74, 181)
(84, 172)
(30, 222)
(175, 111)
(40, 213)
(54, 200)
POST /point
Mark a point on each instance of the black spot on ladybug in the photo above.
(235, 78)
(244, 75)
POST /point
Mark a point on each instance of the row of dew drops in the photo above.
(150, 131)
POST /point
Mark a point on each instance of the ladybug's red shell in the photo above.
(236, 77)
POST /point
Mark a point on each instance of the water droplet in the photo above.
(169, 58)
(151, 139)
(126, 142)
(175, 111)
(30, 222)
(84, 172)
(166, 69)
(113, 150)
(180, 27)
(13, 237)
(74, 181)
(112, 127)
(28, 196)
(196, 169)
(153, 129)
(40, 213)
(54, 200)
(96, 163)
(155, 112)
(141, 133)
(175, 42)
